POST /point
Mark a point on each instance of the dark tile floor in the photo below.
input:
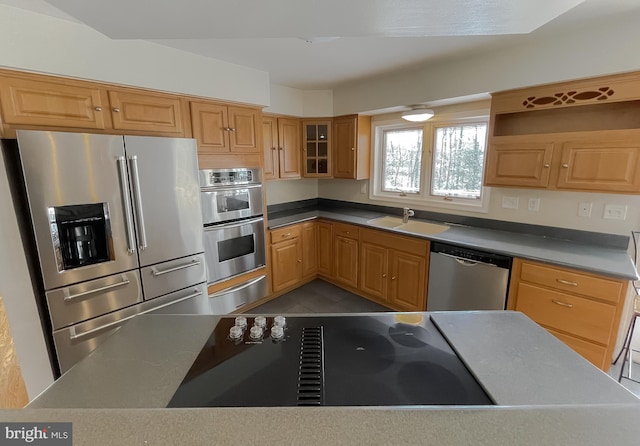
(318, 296)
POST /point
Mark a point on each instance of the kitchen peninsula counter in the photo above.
(608, 261)
(545, 394)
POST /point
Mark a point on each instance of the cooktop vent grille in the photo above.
(310, 368)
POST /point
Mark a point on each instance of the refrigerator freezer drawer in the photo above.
(75, 342)
(231, 299)
(163, 278)
(77, 303)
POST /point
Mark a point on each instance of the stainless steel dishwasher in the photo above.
(466, 279)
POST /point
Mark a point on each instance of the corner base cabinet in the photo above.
(581, 309)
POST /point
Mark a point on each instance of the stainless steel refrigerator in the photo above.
(117, 225)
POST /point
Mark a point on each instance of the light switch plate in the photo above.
(615, 212)
(510, 202)
(584, 209)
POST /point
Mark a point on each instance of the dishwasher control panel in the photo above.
(472, 254)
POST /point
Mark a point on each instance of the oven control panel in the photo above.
(229, 177)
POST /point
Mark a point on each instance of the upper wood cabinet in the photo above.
(581, 135)
(222, 129)
(52, 104)
(146, 112)
(351, 146)
(316, 148)
(47, 102)
(281, 145)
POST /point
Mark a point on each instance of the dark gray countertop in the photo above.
(547, 394)
(591, 258)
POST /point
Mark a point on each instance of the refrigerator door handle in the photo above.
(138, 202)
(73, 335)
(125, 281)
(156, 272)
(128, 215)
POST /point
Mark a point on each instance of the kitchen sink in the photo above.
(413, 226)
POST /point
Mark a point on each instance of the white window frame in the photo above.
(424, 198)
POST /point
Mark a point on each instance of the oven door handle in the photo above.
(235, 224)
(229, 188)
(72, 331)
(233, 289)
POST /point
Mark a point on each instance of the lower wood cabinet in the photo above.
(581, 309)
(293, 255)
(325, 249)
(345, 250)
(393, 269)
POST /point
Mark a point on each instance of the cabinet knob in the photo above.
(347, 232)
(353, 149)
(279, 148)
(98, 109)
(393, 277)
(273, 148)
(116, 110)
(231, 129)
(547, 165)
(299, 260)
(565, 165)
(384, 276)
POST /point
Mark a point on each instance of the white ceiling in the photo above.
(318, 44)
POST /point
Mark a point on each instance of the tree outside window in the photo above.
(402, 159)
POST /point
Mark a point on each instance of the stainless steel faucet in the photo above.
(406, 214)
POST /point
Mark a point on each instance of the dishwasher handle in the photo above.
(465, 262)
(469, 256)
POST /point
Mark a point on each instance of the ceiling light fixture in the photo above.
(418, 114)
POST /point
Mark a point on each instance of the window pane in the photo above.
(402, 160)
(458, 160)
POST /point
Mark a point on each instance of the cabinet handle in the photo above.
(565, 165)
(116, 110)
(566, 282)
(98, 109)
(547, 165)
(288, 234)
(564, 304)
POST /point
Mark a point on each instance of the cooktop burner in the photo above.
(376, 360)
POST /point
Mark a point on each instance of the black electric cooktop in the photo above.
(375, 360)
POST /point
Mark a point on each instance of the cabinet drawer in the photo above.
(412, 245)
(286, 233)
(582, 317)
(593, 353)
(346, 230)
(573, 282)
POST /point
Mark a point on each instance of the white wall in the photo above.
(303, 103)
(19, 300)
(284, 191)
(45, 44)
(608, 47)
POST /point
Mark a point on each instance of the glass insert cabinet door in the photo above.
(317, 148)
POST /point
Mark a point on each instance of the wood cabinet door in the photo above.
(325, 248)
(289, 147)
(51, 104)
(309, 249)
(344, 137)
(270, 148)
(519, 164)
(373, 270)
(606, 166)
(244, 129)
(286, 264)
(316, 149)
(346, 261)
(408, 281)
(146, 112)
(209, 123)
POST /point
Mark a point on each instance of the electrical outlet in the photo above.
(534, 204)
(584, 209)
(510, 202)
(363, 187)
(615, 212)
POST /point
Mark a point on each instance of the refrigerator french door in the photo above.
(117, 222)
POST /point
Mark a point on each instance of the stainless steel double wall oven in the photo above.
(117, 224)
(232, 211)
